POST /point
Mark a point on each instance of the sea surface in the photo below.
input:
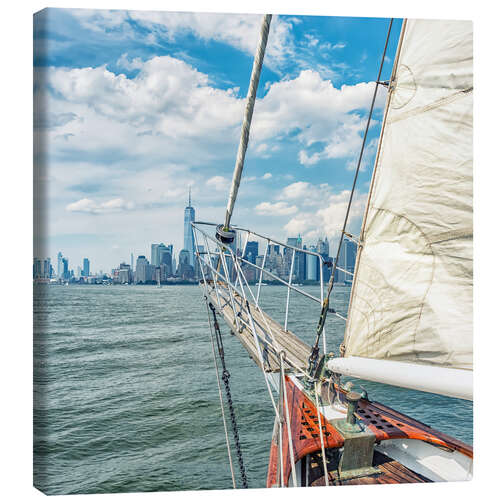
(126, 398)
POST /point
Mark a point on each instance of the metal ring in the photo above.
(225, 235)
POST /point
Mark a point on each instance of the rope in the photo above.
(323, 454)
(247, 119)
(220, 398)
(288, 426)
(313, 358)
(225, 379)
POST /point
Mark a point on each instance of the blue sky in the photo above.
(138, 105)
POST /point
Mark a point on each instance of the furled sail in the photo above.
(411, 299)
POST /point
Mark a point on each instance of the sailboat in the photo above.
(409, 321)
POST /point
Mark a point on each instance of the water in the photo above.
(126, 396)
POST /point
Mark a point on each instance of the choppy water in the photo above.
(126, 397)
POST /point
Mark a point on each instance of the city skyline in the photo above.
(163, 264)
(119, 172)
(158, 249)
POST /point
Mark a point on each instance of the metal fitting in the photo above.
(225, 235)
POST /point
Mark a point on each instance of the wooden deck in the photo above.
(391, 472)
(266, 328)
(384, 422)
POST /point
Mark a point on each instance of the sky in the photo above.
(134, 107)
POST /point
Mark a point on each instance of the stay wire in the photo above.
(324, 309)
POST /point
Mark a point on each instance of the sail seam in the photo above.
(431, 280)
(433, 105)
(452, 235)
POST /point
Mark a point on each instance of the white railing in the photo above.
(236, 279)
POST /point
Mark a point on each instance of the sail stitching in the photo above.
(452, 235)
(433, 105)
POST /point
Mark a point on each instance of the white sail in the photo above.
(411, 299)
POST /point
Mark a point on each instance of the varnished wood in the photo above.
(383, 421)
(304, 425)
(295, 349)
(387, 423)
(391, 472)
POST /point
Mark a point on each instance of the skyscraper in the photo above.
(188, 230)
(59, 265)
(312, 271)
(154, 254)
(252, 251)
(347, 260)
(165, 258)
(86, 267)
(65, 269)
(143, 270)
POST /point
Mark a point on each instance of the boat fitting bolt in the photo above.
(352, 406)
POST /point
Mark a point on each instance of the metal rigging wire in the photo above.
(325, 307)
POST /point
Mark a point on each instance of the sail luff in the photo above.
(411, 299)
(382, 128)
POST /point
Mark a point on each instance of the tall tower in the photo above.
(59, 265)
(188, 230)
(86, 267)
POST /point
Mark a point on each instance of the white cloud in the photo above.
(169, 108)
(328, 218)
(219, 183)
(318, 114)
(87, 205)
(311, 40)
(241, 31)
(124, 62)
(145, 139)
(278, 208)
(297, 190)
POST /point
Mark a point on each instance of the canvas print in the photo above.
(252, 251)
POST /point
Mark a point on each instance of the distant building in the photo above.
(312, 269)
(65, 269)
(197, 270)
(37, 268)
(185, 269)
(143, 270)
(86, 267)
(273, 249)
(189, 216)
(323, 248)
(59, 265)
(299, 264)
(165, 259)
(252, 251)
(125, 274)
(154, 253)
(347, 261)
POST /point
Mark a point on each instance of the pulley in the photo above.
(224, 234)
